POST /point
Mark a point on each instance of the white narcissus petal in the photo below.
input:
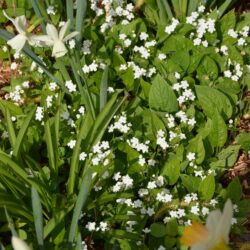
(11, 19)
(17, 42)
(59, 49)
(19, 244)
(52, 31)
(199, 246)
(225, 222)
(41, 40)
(20, 24)
(69, 36)
(63, 30)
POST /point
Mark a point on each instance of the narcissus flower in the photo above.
(214, 235)
(18, 42)
(56, 39)
(19, 244)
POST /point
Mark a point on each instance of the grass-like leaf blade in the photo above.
(81, 200)
(103, 88)
(22, 132)
(81, 7)
(38, 216)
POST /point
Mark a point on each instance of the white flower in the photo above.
(70, 86)
(214, 235)
(162, 56)
(56, 39)
(143, 36)
(72, 43)
(127, 42)
(19, 244)
(51, 10)
(191, 156)
(39, 114)
(13, 66)
(161, 248)
(227, 73)
(197, 41)
(82, 156)
(195, 210)
(71, 144)
(232, 33)
(18, 42)
(241, 42)
(224, 49)
(91, 226)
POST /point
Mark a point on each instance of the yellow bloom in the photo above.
(214, 235)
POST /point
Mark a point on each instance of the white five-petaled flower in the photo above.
(56, 39)
(18, 42)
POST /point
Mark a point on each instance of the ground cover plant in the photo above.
(118, 122)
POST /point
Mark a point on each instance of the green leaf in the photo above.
(10, 128)
(182, 58)
(218, 132)
(22, 133)
(38, 216)
(158, 230)
(210, 98)
(234, 190)
(229, 155)
(196, 146)
(170, 242)
(80, 202)
(128, 78)
(171, 169)
(56, 220)
(81, 7)
(228, 22)
(50, 146)
(103, 88)
(10, 223)
(124, 244)
(172, 227)
(208, 69)
(224, 7)
(191, 183)
(207, 188)
(161, 96)
(37, 9)
(244, 140)
(73, 172)
(192, 6)
(70, 11)
(103, 120)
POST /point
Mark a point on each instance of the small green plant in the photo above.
(119, 126)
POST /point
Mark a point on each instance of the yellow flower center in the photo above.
(221, 245)
(196, 233)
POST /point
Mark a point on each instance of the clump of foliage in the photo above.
(119, 138)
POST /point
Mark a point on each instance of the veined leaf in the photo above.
(210, 98)
(207, 188)
(218, 132)
(161, 96)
